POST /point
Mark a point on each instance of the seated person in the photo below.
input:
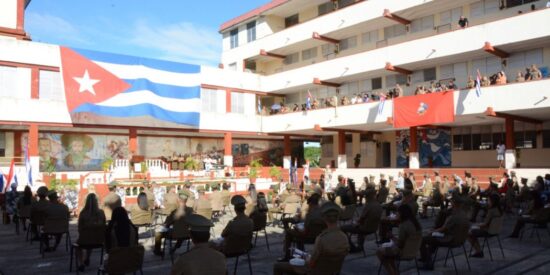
(292, 199)
(91, 229)
(454, 229)
(409, 231)
(386, 223)
(203, 206)
(535, 214)
(111, 201)
(170, 202)
(299, 234)
(201, 259)
(176, 220)
(140, 212)
(238, 230)
(216, 199)
(56, 219)
(494, 211)
(436, 200)
(329, 251)
(367, 223)
(37, 210)
(120, 231)
(24, 205)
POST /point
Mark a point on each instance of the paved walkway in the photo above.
(528, 256)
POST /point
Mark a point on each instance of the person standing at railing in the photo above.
(463, 22)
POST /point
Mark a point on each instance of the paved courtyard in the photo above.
(528, 256)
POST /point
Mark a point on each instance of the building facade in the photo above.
(297, 70)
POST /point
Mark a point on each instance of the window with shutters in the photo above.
(328, 49)
(391, 80)
(325, 8)
(234, 38)
(422, 24)
(481, 8)
(237, 103)
(291, 58)
(309, 53)
(251, 31)
(369, 37)
(394, 31)
(49, 86)
(376, 83)
(292, 20)
(429, 74)
(446, 71)
(15, 82)
(210, 100)
(348, 43)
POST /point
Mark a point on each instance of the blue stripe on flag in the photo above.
(164, 90)
(134, 60)
(145, 109)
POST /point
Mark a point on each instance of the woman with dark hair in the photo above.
(24, 206)
(121, 232)
(91, 230)
(494, 210)
(410, 231)
(140, 212)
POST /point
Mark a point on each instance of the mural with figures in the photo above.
(78, 152)
(86, 152)
(434, 147)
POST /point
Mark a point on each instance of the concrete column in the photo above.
(342, 161)
(227, 149)
(510, 160)
(287, 151)
(132, 141)
(414, 156)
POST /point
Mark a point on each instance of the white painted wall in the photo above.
(344, 18)
(445, 45)
(8, 14)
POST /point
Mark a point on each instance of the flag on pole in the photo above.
(1, 181)
(10, 175)
(478, 84)
(308, 100)
(381, 104)
(28, 166)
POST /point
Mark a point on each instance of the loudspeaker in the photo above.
(244, 148)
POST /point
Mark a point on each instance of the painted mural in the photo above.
(86, 152)
(78, 152)
(434, 147)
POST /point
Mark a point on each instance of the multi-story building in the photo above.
(296, 53)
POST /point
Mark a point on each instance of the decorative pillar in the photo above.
(32, 146)
(414, 157)
(342, 161)
(132, 144)
(287, 158)
(228, 101)
(227, 149)
(510, 155)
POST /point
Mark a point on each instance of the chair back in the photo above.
(411, 247)
(205, 212)
(314, 229)
(92, 234)
(328, 264)
(235, 245)
(125, 259)
(495, 225)
(291, 208)
(259, 219)
(349, 211)
(57, 225)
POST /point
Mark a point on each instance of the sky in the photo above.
(176, 30)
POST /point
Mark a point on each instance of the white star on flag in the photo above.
(86, 83)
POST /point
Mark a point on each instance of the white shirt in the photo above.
(548, 4)
(501, 149)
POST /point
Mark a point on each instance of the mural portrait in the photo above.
(434, 148)
(403, 142)
(78, 152)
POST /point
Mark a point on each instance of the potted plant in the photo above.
(49, 172)
(255, 166)
(191, 164)
(274, 173)
(106, 164)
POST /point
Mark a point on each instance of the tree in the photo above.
(313, 154)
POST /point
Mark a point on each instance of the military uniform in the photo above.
(150, 197)
(203, 206)
(237, 234)
(140, 216)
(170, 203)
(201, 259)
(368, 222)
(110, 202)
(383, 193)
(179, 230)
(216, 199)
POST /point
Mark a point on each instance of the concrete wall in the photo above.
(8, 14)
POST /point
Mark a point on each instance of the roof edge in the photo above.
(255, 12)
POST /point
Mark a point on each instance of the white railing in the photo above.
(120, 168)
(157, 168)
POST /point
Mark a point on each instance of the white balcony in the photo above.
(459, 45)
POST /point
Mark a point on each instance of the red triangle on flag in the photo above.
(87, 82)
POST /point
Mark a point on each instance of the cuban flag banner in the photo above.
(125, 86)
(478, 84)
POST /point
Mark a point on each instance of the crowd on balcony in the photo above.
(499, 78)
(204, 160)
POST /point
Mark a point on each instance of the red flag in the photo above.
(87, 82)
(426, 109)
(10, 175)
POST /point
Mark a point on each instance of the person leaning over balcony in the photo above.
(501, 78)
(535, 72)
(485, 81)
(520, 77)
(463, 22)
(471, 83)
